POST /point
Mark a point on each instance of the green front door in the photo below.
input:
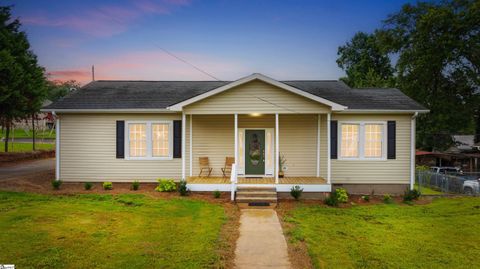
(255, 152)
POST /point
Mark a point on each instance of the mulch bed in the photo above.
(10, 157)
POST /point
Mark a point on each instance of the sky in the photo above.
(128, 39)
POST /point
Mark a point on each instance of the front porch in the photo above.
(308, 184)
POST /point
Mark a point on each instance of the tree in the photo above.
(365, 62)
(438, 49)
(22, 83)
(438, 65)
(58, 89)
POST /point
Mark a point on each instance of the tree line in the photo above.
(430, 51)
(23, 82)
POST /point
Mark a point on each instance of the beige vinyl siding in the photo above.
(213, 137)
(298, 143)
(395, 171)
(256, 97)
(88, 150)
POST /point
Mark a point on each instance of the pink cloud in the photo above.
(105, 21)
(152, 65)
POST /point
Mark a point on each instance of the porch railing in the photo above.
(233, 181)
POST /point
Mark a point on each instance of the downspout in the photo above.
(412, 150)
(57, 145)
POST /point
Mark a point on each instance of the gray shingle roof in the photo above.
(106, 94)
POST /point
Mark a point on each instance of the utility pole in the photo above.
(93, 73)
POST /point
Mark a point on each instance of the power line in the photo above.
(164, 50)
(186, 62)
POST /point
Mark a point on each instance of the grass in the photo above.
(427, 191)
(443, 234)
(106, 231)
(21, 133)
(25, 147)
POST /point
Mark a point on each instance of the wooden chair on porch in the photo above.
(204, 166)
(227, 169)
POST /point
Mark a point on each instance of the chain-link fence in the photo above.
(431, 183)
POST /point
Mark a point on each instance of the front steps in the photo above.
(256, 197)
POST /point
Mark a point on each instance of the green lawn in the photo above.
(105, 231)
(20, 133)
(25, 147)
(443, 234)
(427, 191)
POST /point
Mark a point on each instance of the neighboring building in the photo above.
(330, 134)
(464, 154)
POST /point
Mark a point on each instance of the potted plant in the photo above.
(281, 164)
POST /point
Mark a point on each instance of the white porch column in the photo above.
(236, 137)
(57, 147)
(183, 144)
(329, 172)
(191, 145)
(318, 146)
(277, 149)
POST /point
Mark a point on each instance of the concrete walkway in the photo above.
(261, 243)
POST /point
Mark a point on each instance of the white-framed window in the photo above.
(362, 140)
(149, 140)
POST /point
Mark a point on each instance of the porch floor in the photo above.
(257, 180)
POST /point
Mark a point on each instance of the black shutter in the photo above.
(391, 145)
(120, 139)
(177, 139)
(333, 139)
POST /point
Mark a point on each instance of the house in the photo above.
(329, 134)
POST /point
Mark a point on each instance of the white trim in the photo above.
(329, 148)
(105, 110)
(334, 106)
(412, 150)
(361, 141)
(277, 148)
(148, 131)
(318, 145)
(235, 119)
(184, 124)
(191, 146)
(57, 148)
(268, 172)
(305, 187)
(383, 111)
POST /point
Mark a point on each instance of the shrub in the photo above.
(135, 185)
(166, 185)
(88, 186)
(366, 198)
(182, 188)
(216, 194)
(332, 199)
(107, 185)
(296, 192)
(411, 195)
(342, 195)
(56, 184)
(387, 199)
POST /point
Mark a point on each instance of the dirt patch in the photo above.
(7, 158)
(297, 250)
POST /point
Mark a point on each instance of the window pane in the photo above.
(160, 135)
(349, 142)
(138, 140)
(373, 140)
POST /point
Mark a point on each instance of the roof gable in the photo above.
(334, 106)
